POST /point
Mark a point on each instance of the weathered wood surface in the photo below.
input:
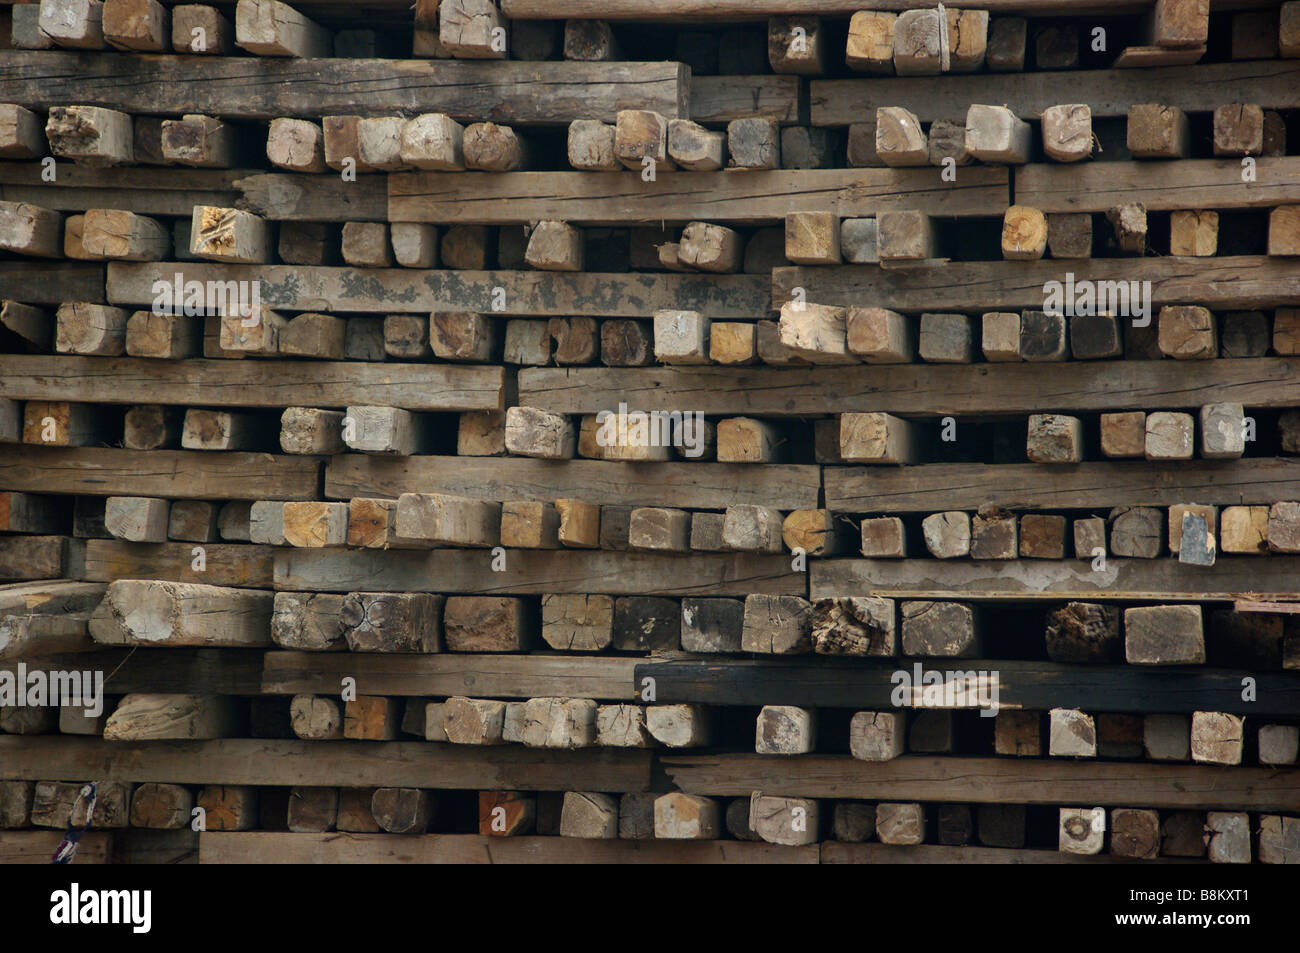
(719, 99)
(1030, 686)
(513, 92)
(144, 190)
(735, 10)
(266, 847)
(948, 486)
(224, 564)
(535, 572)
(37, 847)
(1244, 281)
(721, 196)
(287, 197)
(689, 485)
(1057, 580)
(939, 389)
(223, 383)
(987, 781)
(386, 290)
(1159, 186)
(52, 282)
(840, 852)
(204, 671)
(1200, 88)
(488, 676)
(281, 763)
(173, 474)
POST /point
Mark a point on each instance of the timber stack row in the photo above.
(751, 432)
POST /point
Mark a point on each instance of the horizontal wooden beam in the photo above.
(385, 290)
(716, 100)
(1200, 88)
(956, 486)
(910, 391)
(224, 564)
(701, 486)
(38, 846)
(288, 197)
(217, 383)
(1160, 186)
(536, 572)
(1031, 686)
(710, 10)
(613, 198)
(145, 190)
(173, 474)
(1135, 580)
(266, 847)
(49, 282)
(171, 670)
(267, 87)
(266, 762)
(989, 781)
(1243, 281)
(842, 852)
(549, 675)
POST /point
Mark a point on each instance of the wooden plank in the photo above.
(174, 474)
(265, 847)
(1160, 186)
(33, 282)
(535, 572)
(1031, 686)
(720, 99)
(613, 198)
(488, 676)
(204, 671)
(988, 781)
(218, 383)
(967, 389)
(514, 92)
(145, 190)
(386, 290)
(955, 486)
(739, 10)
(685, 485)
(1245, 281)
(1280, 608)
(38, 846)
(285, 763)
(1199, 88)
(225, 564)
(285, 197)
(840, 852)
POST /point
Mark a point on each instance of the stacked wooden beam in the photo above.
(603, 440)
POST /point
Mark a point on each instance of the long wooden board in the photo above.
(217, 383)
(385, 290)
(955, 486)
(173, 474)
(734, 10)
(1243, 281)
(279, 763)
(38, 846)
(51, 282)
(266, 847)
(145, 190)
(1032, 686)
(716, 100)
(171, 670)
(287, 197)
(1160, 186)
(688, 485)
(989, 781)
(266, 87)
(542, 675)
(911, 391)
(841, 852)
(1200, 88)
(536, 572)
(224, 564)
(613, 198)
